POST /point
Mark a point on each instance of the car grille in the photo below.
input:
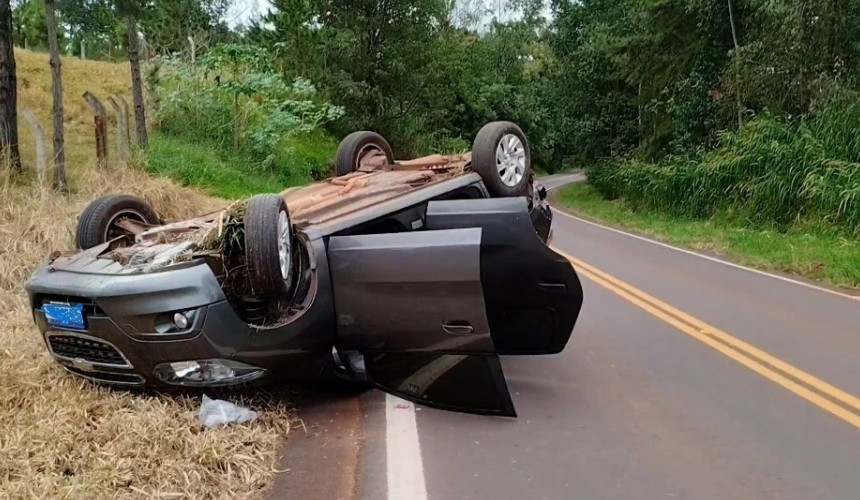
(86, 349)
(107, 377)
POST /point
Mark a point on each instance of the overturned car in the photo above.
(411, 275)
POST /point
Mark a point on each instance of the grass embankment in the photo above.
(811, 252)
(232, 175)
(63, 437)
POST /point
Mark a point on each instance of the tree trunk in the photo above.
(737, 79)
(136, 83)
(57, 91)
(8, 90)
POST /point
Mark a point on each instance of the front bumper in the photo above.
(121, 343)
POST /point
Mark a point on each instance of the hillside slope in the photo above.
(63, 437)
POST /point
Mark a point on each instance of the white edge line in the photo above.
(404, 467)
(712, 259)
(703, 256)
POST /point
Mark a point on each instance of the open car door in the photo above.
(413, 304)
(532, 295)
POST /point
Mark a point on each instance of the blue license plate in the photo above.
(65, 315)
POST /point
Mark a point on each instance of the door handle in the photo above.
(458, 328)
(552, 285)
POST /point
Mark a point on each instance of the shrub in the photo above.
(769, 173)
(233, 98)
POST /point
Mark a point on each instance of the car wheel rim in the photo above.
(112, 230)
(284, 244)
(367, 151)
(511, 160)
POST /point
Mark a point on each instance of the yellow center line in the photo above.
(801, 383)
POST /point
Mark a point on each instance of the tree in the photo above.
(28, 18)
(130, 10)
(8, 89)
(136, 82)
(375, 57)
(167, 24)
(94, 23)
(57, 92)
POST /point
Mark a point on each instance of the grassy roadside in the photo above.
(203, 166)
(232, 175)
(63, 437)
(809, 252)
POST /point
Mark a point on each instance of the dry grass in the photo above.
(62, 437)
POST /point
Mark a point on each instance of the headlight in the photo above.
(207, 372)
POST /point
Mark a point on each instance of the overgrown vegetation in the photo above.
(241, 118)
(203, 164)
(426, 74)
(803, 249)
(772, 173)
(751, 119)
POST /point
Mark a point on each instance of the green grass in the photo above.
(310, 154)
(229, 175)
(807, 251)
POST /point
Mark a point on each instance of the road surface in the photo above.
(685, 377)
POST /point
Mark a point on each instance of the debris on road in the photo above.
(215, 412)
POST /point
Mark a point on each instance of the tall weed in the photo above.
(770, 173)
(235, 99)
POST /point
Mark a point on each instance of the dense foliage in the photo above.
(694, 106)
(589, 80)
(235, 101)
(99, 25)
(769, 173)
(402, 68)
(765, 133)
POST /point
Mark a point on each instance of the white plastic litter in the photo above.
(214, 412)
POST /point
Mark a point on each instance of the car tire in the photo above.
(96, 225)
(354, 146)
(501, 156)
(268, 245)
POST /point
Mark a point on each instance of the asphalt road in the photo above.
(685, 377)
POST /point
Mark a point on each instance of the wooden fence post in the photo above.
(100, 119)
(39, 137)
(121, 145)
(126, 117)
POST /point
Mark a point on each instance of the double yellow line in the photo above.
(818, 392)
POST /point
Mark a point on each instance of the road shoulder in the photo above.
(708, 250)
